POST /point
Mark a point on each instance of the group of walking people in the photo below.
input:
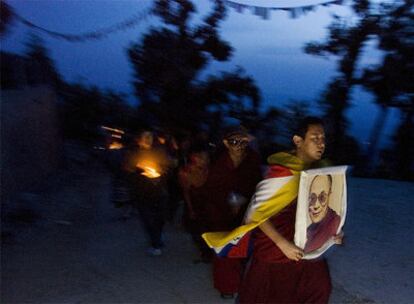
(217, 189)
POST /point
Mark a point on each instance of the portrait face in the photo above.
(319, 193)
(321, 209)
(312, 147)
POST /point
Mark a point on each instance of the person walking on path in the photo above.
(192, 177)
(231, 182)
(276, 272)
(146, 168)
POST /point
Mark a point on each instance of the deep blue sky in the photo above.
(269, 50)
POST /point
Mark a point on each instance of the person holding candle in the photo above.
(146, 167)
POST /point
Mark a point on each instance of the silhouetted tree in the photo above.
(167, 65)
(81, 111)
(397, 161)
(392, 81)
(6, 17)
(346, 41)
(403, 151)
(231, 94)
(117, 112)
(41, 67)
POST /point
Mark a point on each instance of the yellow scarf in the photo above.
(272, 195)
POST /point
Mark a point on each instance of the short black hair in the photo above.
(199, 148)
(303, 125)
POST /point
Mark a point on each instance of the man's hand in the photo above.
(339, 238)
(290, 250)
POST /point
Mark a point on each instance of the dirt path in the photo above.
(78, 251)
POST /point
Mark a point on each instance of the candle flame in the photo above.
(150, 172)
(149, 167)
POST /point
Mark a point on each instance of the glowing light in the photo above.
(149, 167)
(115, 146)
(113, 130)
(162, 140)
(150, 172)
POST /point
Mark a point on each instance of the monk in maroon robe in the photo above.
(276, 272)
(231, 182)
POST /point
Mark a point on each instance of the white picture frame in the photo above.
(321, 211)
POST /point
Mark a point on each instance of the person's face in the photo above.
(200, 159)
(312, 147)
(319, 193)
(145, 140)
(237, 144)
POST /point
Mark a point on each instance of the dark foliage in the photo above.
(84, 109)
(390, 81)
(6, 17)
(168, 63)
(41, 68)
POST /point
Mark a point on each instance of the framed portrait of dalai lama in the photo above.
(321, 209)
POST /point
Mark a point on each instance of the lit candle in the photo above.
(150, 172)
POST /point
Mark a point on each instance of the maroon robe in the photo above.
(223, 179)
(272, 278)
(319, 233)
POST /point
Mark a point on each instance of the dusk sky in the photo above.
(270, 51)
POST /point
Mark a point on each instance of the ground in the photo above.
(67, 244)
